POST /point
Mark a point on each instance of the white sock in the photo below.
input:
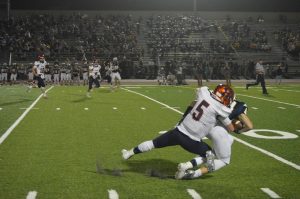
(199, 160)
(146, 146)
(197, 173)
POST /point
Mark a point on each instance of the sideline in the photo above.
(15, 124)
(237, 139)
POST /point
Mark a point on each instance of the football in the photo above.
(238, 125)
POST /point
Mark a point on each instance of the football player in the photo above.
(4, 71)
(221, 141)
(115, 74)
(56, 72)
(94, 76)
(76, 74)
(38, 72)
(202, 115)
(13, 74)
(85, 69)
(63, 75)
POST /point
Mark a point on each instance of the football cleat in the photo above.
(126, 154)
(182, 167)
(186, 175)
(210, 157)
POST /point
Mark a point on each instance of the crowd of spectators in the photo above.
(171, 34)
(178, 40)
(76, 34)
(290, 41)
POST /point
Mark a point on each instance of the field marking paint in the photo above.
(115, 108)
(165, 105)
(132, 87)
(254, 108)
(271, 193)
(268, 153)
(298, 131)
(143, 108)
(58, 109)
(288, 90)
(31, 195)
(27, 108)
(297, 105)
(112, 194)
(86, 109)
(15, 124)
(194, 194)
(237, 139)
(172, 107)
(1, 109)
(281, 107)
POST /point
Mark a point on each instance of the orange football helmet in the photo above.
(225, 94)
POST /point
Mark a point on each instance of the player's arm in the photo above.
(34, 70)
(247, 123)
(230, 127)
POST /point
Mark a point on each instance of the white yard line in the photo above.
(194, 194)
(112, 194)
(31, 195)
(254, 108)
(237, 139)
(270, 193)
(288, 90)
(165, 105)
(268, 153)
(297, 105)
(281, 107)
(15, 124)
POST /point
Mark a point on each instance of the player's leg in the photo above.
(263, 84)
(41, 85)
(118, 80)
(91, 80)
(167, 139)
(222, 142)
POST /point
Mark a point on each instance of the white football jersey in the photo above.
(94, 70)
(204, 115)
(114, 67)
(40, 68)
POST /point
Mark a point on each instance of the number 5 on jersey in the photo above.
(197, 116)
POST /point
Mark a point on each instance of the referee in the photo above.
(260, 77)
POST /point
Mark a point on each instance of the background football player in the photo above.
(94, 77)
(202, 115)
(38, 72)
(115, 74)
(221, 142)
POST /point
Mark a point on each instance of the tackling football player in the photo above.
(202, 115)
(221, 141)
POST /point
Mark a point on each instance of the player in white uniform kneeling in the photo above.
(202, 115)
(94, 77)
(115, 74)
(221, 141)
(38, 72)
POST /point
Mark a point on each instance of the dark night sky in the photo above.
(210, 5)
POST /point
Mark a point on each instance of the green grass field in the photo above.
(75, 152)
